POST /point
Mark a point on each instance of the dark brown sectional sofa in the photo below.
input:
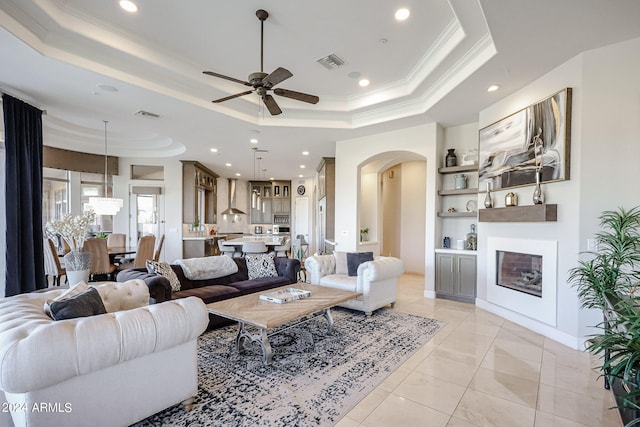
(213, 290)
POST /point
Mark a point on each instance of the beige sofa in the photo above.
(107, 370)
(377, 280)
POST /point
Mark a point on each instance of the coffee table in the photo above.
(251, 311)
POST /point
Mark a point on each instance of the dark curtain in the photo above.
(23, 148)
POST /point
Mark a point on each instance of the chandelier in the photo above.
(105, 205)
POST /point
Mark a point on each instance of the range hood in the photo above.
(232, 199)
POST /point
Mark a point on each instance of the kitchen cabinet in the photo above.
(198, 247)
(199, 193)
(275, 199)
(326, 202)
(456, 276)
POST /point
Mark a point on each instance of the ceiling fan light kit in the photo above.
(262, 83)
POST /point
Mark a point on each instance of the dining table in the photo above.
(116, 251)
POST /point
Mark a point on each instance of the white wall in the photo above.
(414, 188)
(172, 187)
(350, 154)
(604, 167)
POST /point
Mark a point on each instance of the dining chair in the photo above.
(117, 240)
(52, 265)
(253, 248)
(144, 252)
(156, 254)
(100, 264)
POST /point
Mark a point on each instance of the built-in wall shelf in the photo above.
(457, 214)
(456, 169)
(456, 192)
(532, 213)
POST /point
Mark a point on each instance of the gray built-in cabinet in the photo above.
(275, 200)
(199, 193)
(456, 276)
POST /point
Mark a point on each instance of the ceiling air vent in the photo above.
(331, 62)
(146, 114)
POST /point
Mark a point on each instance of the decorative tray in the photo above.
(285, 295)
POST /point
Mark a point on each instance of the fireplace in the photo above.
(520, 272)
(522, 276)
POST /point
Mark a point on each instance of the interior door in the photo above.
(146, 215)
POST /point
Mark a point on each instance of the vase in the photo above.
(451, 159)
(488, 203)
(78, 266)
(538, 195)
(471, 242)
(511, 199)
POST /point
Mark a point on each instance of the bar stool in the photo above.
(229, 250)
(249, 248)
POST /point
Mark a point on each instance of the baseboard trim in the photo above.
(573, 342)
(430, 294)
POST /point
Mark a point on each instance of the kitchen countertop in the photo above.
(209, 237)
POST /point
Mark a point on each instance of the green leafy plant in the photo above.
(102, 235)
(611, 270)
(609, 281)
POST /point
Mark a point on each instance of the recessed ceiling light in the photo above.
(402, 14)
(305, 153)
(228, 165)
(237, 173)
(214, 150)
(493, 88)
(253, 141)
(364, 83)
(129, 6)
(272, 179)
(107, 88)
(300, 176)
(302, 166)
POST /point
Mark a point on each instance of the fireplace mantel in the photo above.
(532, 213)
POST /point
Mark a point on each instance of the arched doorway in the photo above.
(392, 207)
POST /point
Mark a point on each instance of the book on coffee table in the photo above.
(285, 295)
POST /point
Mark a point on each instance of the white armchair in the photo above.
(107, 370)
(377, 280)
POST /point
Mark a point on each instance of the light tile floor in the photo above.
(483, 370)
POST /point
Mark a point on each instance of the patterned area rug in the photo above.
(315, 379)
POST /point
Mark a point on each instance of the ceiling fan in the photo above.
(262, 82)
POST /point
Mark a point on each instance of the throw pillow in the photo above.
(341, 262)
(164, 270)
(354, 259)
(76, 289)
(261, 265)
(85, 304)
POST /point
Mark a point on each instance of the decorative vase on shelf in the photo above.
(471, 242)
(77, 263)
(488, 203)
(538, 195)
(451, 159)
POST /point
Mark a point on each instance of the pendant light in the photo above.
(105, 205)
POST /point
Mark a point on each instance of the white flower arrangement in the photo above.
(73, 229)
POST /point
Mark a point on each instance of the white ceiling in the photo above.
(435, 66)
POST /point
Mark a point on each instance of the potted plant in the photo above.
(609, 281)
(364, 234)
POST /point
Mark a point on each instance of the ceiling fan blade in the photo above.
(271, 104)
(226, 98)
(279, 75)
(298, 96)
(211, 73)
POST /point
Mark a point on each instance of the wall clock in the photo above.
(301, 190)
